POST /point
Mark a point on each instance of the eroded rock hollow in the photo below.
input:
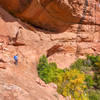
(55, 15)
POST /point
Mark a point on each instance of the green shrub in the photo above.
(94, 95)
(77, 64)
(92, 58)
(81, 65)
(48, 72)
(43, 63)
(57, 75)
(97, 80)
(43, 69)
(77, 82)
(95, 60)
(89, 81)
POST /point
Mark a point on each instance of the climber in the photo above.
(16, 59)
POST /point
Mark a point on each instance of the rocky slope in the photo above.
(76, 32)
(21, 82)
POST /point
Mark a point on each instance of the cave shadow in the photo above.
(9, 17)
(69, 25)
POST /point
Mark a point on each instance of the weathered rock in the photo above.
(4, 39)
(96, 47)
(53, 85)
(85, 37)
(53, 50)
(13, 92)
(20, 82)
(55, 15)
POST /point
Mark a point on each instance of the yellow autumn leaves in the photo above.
(72, 84)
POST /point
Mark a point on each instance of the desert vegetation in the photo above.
(81, 81)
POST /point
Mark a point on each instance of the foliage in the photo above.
(89, 81)
(43, 63)
(72, 84)
(95, 60)
(43, 69)
(81, 65)
(94, 95)
(92, 58)
(97, 80)
(78, 64)
(81, 81)
(48, 72)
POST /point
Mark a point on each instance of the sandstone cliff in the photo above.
(55, 15)
(21, 82)
(76, 32)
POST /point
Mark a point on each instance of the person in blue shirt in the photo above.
(16, 59)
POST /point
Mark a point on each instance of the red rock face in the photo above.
(21, 82)
(79, 17)
(78, 26)
(55, 15)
